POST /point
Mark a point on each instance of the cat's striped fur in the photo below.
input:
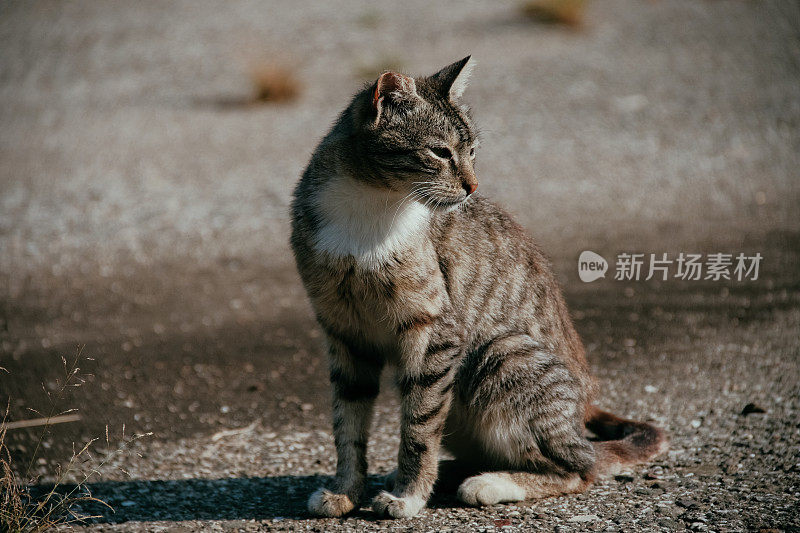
(406, 267)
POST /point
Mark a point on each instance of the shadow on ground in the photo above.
(244, 498)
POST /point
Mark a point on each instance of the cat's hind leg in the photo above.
(513, 486)
(523, 411)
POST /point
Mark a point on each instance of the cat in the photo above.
(406, 265)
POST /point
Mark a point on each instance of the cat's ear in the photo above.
(452, 79)
(392, 88)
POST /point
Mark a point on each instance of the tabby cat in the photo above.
(406, 266)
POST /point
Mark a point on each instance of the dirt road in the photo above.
(143, 217)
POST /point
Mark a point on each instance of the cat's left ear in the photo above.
(452, 79)
(392, 88)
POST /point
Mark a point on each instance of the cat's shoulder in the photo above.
(482, 225)
(479, 211)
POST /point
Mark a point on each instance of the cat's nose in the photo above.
(470, 186)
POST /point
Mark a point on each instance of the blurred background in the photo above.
(148, 151)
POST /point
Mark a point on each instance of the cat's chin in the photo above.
(445, 206)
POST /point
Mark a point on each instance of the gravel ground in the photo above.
(143, 216)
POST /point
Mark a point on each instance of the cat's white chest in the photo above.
(366, 223)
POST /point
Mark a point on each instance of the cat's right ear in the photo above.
(392, 88)
(452, 79)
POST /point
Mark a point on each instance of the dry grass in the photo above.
(21, 511)
(26, 508)
(369, 20)
(274, 84)
(565, 12)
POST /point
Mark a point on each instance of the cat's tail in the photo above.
(623, 442)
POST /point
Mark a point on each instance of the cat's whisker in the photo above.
(400, 202)
(429, 201)
(463, 205)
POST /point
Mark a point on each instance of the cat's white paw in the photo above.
(329, 504)
(389, 505)
(489, 489)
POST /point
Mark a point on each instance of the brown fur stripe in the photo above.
(424, 381)
(425, 417)
(416, 322)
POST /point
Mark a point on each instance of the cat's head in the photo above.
(415, 137)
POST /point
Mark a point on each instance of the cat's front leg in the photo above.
(426, 393)
(355, 381)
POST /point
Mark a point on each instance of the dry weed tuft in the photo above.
(565, 12)
(28, 508)
(274, 83)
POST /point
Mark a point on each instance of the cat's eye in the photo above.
(441, 151)
(472, 153)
